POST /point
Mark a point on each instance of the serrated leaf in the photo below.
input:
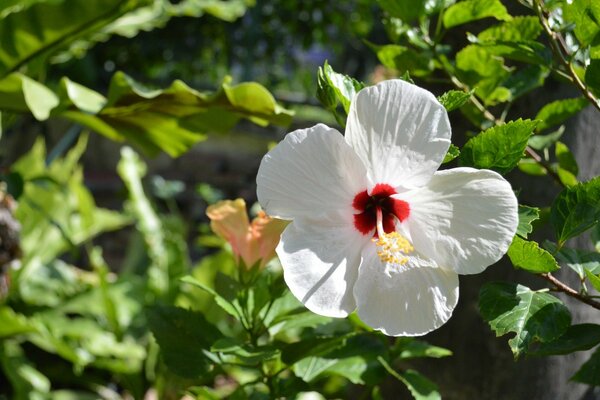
(499, 148)
(589, 373)
(183, 336)
(576, 338)
(451, 154)
(472, 10)
(530, 257)
(559, 111)
(592, 76)
(532, 316)
(334, 87)
(576, 209)
(453, 99)
(518, 29)
(526, 216)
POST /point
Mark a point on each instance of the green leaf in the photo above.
(131, 170)
(528, 51)
(170, 120)
(576, 209)
(559, 111)
(231, 307)
(532, 316)
(26, 381)
(419, 386)
(518, 29)
(406, 10)
(453, 152)
(592, 76)
(183, 337)
(499, 148)
(472, 10)
(333, 87)
(234, 351)
(481, 70)
(594, 279)
(541, 142)
(355, 359)
(531, 167)
(589, 373)
(453, 99)
(530, 257)
(576, 259)
(39, 30)
(19, 92)
(567, 165)
(585, 17)
(576, 338)
(404, 59)
(12, 323)
(526, 216)
(525, 80)
(412, 348)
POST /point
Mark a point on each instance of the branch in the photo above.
(561, 51)
(569, 291)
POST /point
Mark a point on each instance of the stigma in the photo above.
(392, 247)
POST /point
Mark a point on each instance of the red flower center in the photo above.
(366, 204)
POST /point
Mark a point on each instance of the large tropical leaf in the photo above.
(171, 120)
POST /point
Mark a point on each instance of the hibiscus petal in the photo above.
(320, 259)
(400, 131)
(311, 171)
(464, 219)
(407, 300)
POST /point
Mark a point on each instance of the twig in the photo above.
(569, 291)
(560, 50)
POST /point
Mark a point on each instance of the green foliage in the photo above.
(183, 336)
(453, 99)
(404, 59)
(530, 257)
(526, 216)
(576, 338)
(334, 88)
(576, 209)
(472, 10)
(531, 315)
(420, 387)
(559, 111)
(499, 148)
(589, 372)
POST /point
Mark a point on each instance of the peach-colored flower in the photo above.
(252, 242)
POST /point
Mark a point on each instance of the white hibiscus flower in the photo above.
(375, 227)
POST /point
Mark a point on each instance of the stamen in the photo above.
(391, 247)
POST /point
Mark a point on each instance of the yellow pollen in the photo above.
(391, 247)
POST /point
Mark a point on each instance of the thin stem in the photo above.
(569, 291)
(561, 52)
